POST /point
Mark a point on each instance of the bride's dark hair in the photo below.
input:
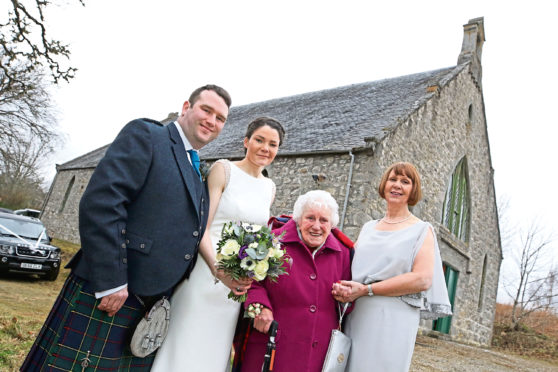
(263, 121)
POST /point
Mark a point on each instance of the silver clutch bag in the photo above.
(152, 329)
(339, 347)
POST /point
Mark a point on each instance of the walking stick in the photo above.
(270, 352)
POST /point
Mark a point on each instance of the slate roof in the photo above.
(332, 120)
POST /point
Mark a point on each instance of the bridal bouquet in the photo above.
(249, 250)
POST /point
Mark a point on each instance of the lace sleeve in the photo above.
(227, 167)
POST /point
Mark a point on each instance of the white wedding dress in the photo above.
(203, 319)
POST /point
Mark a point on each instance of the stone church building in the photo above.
(342, 139)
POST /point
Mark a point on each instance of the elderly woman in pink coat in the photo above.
(301, 302)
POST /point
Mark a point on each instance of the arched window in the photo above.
(67, 194)
(456, 212)
(483, 281)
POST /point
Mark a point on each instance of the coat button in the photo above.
(313, 276)
(123, 231)
(312, 308)
(187, 257)
(123, 245)
(127, 241)
(315, 343)
(195, 233)
(142, 246)
(124, 260)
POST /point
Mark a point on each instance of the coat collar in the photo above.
(291, 236)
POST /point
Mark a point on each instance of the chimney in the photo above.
(471, 50)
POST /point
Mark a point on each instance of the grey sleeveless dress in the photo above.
(383, 329)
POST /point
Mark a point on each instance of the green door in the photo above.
(443, 324)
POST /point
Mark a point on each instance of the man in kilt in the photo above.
(141, 220)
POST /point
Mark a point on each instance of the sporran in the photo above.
(152, 329)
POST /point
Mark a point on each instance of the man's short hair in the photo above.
(217, 89)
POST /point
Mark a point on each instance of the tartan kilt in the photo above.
(76, 331)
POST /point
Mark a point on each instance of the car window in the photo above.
(25, 229)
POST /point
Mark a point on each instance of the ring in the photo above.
(238, 289)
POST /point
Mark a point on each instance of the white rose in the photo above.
(278, 253)
(230, 248)
(270, 253)
(261, 270)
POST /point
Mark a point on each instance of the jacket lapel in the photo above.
(189, 175)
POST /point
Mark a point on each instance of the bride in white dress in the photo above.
(203, 319)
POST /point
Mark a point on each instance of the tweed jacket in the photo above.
(143, 213)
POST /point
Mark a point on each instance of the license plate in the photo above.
(25, 265)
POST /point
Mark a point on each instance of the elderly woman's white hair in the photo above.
(316, 199)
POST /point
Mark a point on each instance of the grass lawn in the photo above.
(25, 302)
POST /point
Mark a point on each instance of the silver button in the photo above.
(124, 260)
(124, 245)
(123, 231)
(142, 246)
(313, 276)
(187, 257)
(195, 233)
(312, 308)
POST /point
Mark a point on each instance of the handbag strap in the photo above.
(342, 311)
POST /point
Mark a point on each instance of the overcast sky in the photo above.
(141, 58)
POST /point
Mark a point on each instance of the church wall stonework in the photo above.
(63, 223)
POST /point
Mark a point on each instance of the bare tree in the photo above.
(551, 283)
(28, 133)
(25, 107)
(508, 229)
(20, 179)
(530, 284)
(27, 57)
(25, 43)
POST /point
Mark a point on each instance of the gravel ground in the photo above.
(432, 355)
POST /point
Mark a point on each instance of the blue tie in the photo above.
(195, 158)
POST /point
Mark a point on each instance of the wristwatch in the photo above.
(370, 293)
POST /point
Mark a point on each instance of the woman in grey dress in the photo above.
(397, 279)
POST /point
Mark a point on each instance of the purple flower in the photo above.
(250, 274)
(241, 253)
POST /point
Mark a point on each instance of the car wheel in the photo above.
(52, 274)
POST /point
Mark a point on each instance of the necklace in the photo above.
(396, 222)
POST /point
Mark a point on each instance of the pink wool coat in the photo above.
(302, 304)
